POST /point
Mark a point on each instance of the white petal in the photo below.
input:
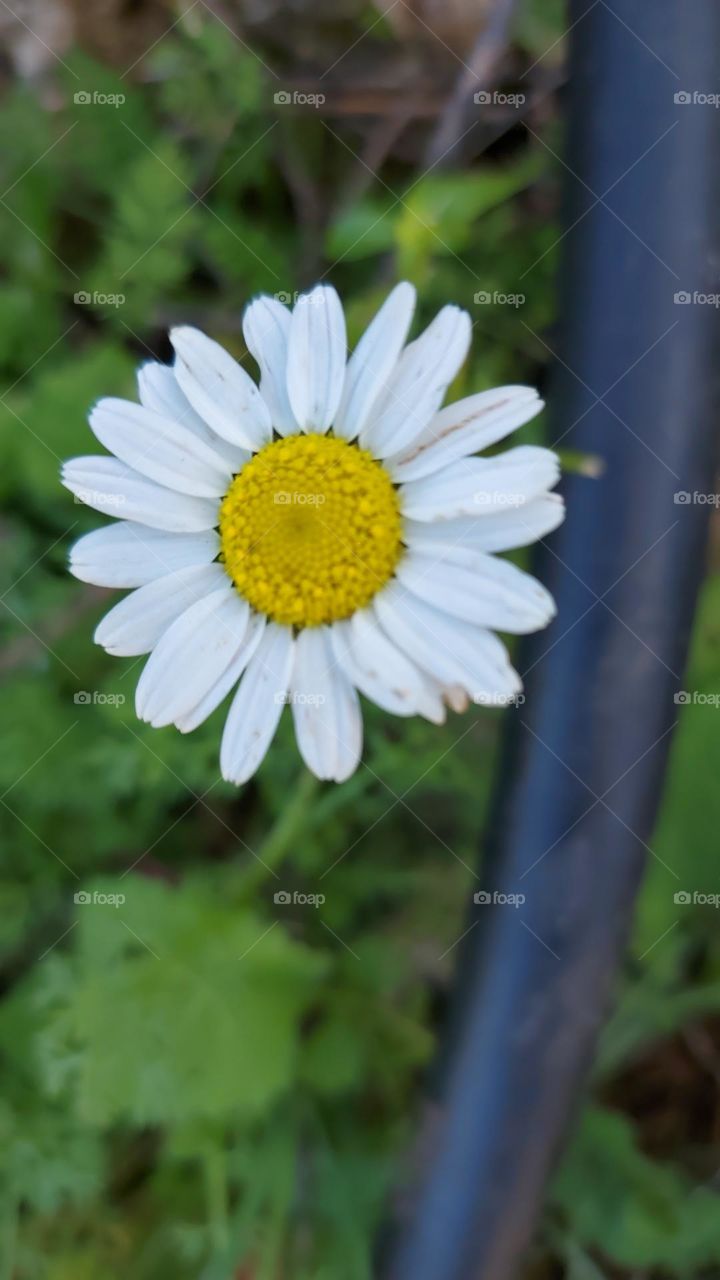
(125, 554)
(257, 706)
(215, 694)
(160, 391)
(326, 711)
(136, 624)
(317, 347)
(379, 670)
(373, 360)
(463, 428)
(266, 328)
(478, 486)
(220, 390)
(454, 696)
(499, 531)
(191, 656)
(454, 652)
(110, 486)
(478, 588)
(416, 387)
(162, 450)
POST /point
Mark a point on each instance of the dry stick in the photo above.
(379, 145)
(308, 205)
(479, 70)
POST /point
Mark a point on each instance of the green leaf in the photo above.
(685, 842)
(649, 1010)
(438, 214)
(148, 237)
(334, 1056)
(178, 1008)
(635, 1211)
(364, 230)
(45, 421)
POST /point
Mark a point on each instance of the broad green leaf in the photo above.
(636, 1211)
(179, 1007)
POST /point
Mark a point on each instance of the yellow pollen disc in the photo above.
(310, 529)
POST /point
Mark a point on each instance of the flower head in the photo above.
(326, 533)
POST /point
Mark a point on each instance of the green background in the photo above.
(201, 1081)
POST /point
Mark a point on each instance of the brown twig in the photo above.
(481, 66)
(380, 143)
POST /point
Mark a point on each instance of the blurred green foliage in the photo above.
(200, 1080)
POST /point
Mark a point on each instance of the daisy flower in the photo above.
(326, 533)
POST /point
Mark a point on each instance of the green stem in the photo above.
(286, 830)
(216, 1193)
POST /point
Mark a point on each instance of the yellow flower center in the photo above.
(310, 529)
